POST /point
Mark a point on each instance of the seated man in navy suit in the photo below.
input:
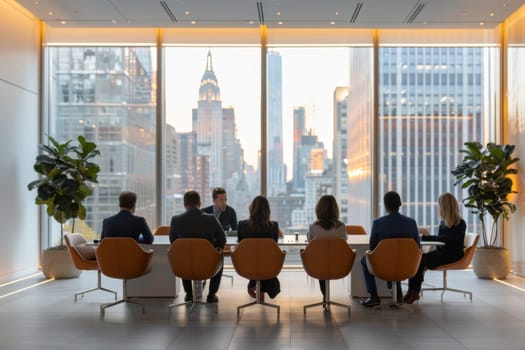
(193, 223)
(223, 212)
(126, 223)
(392, 225)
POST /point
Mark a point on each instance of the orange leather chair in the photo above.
(258, 259)
(327, 259)
(355, 230)
(162, 231)
(394, 259)
(122, 258)
(471, 243)
(84, 258)
(194, 259)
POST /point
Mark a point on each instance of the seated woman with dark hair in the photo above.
(327, 224)
(259, 225)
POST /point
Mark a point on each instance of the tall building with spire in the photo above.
(216, 132)
(276, 167)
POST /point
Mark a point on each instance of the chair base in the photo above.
(228, 276)
(195, 298)
(103, 307)
(99, 287)
(124, 299)
(394, 305)
(258, 302)
(446, 288)
(326, 301)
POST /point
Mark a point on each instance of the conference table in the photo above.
(161, 283)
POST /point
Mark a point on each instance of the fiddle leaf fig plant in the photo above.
(484, 172)
(66, 171)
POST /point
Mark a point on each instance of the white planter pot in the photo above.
(490, 263)
(56, 263)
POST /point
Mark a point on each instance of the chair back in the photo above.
(328, 258)
(394, 259)
(194, 259)
(258, 258)
(471, 243)
(83, 256)
(162, 231)
(355, 230)
(123, 258)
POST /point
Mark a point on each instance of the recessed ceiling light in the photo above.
(332, 22)
(492, 14)
(193, 22)
(251, 22)
(279, 22)
(337, 13)
(186, 12)
(63, 22)
(114, 20)
(50, 13)
(278, 13)
(481, 23)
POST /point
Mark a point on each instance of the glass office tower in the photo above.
(107, 94)
(431, 101)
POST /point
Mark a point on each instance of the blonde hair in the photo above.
(449, 209)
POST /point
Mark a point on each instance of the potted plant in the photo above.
(65, 170)
(485, 173)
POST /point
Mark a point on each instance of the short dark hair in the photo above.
(217, 191)
(127, 199)
(192, 199)
(392, 201)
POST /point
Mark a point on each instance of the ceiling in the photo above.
(274, 13)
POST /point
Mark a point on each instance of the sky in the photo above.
(310, 76)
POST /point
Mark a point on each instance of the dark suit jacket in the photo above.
(393, 225)
(125, 224)
(193, 223)
(228, 218)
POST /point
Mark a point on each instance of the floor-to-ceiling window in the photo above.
(107, 94)
(432, 99)
(212, 124)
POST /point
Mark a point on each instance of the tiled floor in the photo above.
(46, 317)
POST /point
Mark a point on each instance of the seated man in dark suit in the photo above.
(392, 225)
(224, 213)
(126, 223)
(193, 223)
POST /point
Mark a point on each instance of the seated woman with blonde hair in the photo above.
(327, 224)
(451, 232)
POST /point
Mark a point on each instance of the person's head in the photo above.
(327, 211)
(219, 198)
(392, 201)
(449, 209)
(127, 200)
(192, 200)
(259, 213)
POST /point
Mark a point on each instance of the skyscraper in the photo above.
(299, 129)
(107, 95)
(432, 100)
(276, 167)
(340, 150)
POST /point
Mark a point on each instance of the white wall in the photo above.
(19, 100)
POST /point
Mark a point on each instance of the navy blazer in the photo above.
(393, 225)
(126, 224)
(193, 223)
(227, 218)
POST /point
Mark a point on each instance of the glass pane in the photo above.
(431, 101)
(212, 125)
(307, 92)
(107, 94)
